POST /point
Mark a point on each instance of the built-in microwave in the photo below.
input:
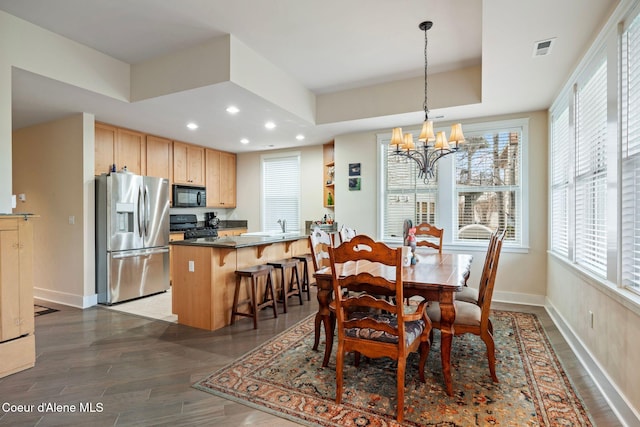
(186, 196)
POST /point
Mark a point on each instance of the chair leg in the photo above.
(254, 301)
(491, 354)
(402, 363)
(339, 372)
(235, 300)
(425, 348)
(283, 288)
(294, 272)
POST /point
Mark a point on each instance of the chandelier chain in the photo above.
(425, 106)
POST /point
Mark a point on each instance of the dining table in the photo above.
(434, 277)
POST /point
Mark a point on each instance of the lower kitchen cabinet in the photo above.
(17, 342)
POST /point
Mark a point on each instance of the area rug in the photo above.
(39, 310)
(285, 377)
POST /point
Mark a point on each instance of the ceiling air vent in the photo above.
(543, 47)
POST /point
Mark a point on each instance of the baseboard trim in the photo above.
(519, 298)
(73, 300)
(616, 400)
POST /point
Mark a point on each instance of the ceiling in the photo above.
(328, 47)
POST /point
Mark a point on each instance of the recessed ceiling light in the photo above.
(270, 125)
(300, 137)
(232, 109)
(192, 126)
(244, 141)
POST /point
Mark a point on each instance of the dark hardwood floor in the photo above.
(141, 370)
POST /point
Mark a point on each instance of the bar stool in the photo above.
(306, 284)
(288, 290)
(253, 274)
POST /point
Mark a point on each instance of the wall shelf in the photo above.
(328, 194)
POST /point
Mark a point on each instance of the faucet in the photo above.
(283, 224)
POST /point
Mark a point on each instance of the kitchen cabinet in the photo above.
(122, 147)
(172, 238)
(220, 179)
(231, 232)
(17, 342)
(188, 164)
(159, 154)
(328, 185)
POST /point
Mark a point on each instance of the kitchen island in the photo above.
(203, 272)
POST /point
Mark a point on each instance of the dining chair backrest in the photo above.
(487, 281)
(346, 234)
(368, 323)
(320, 242)
(434, 234)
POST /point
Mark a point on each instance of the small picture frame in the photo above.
(354, 169)
(354, 184)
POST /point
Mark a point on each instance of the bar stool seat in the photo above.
(269, 299)
(288, 289)
(306, 283)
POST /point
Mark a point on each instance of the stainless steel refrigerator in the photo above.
(132, 236)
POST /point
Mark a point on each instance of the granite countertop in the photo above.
(235, 242)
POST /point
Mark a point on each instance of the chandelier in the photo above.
(426, 154)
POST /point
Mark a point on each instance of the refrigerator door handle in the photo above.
(140, 212)
(147, 209)
(139, 253)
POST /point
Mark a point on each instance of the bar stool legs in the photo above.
(253, 274)
(306, 283)
(288, 290)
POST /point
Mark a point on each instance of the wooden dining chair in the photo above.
(368, 324)
(320, 242)
(434, 234)
(473, 318)
(469, 294)
(346, 234)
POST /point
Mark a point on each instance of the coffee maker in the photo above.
(211, 220)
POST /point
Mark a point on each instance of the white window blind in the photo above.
(631, 155)
(489, 197)
(591, 172)
(406, 195)
(281, 192)
(560, 145)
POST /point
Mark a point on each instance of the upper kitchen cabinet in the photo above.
(122, 147)
(159, 157)
(220, 179)
(188, 164)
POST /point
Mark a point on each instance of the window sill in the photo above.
(627, 298)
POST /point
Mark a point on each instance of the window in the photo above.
(407, 196)
(281, 191)
(560, 146)
(630, 151)
(476, 190)
(591, 172)
(488, 195)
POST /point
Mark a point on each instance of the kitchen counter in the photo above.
(203, 272)
(235, 242)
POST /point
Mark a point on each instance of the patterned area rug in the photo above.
(39, 310)
(285, 377)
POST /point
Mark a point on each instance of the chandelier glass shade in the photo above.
(431, 147)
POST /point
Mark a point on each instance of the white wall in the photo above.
(249, 187)
(521, 276)
(53, 167)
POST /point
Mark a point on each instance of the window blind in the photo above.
(560, 145)
(281, 192)
(487, 169)
(631, 155)
(406, 196)
(591, 172)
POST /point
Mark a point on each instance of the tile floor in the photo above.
(156, 306)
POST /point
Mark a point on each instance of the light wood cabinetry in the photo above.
(231, 232)
(220, 179)
(159, 153)
(122, 147)
(17, 343)
(329, 195)
(188, 164)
